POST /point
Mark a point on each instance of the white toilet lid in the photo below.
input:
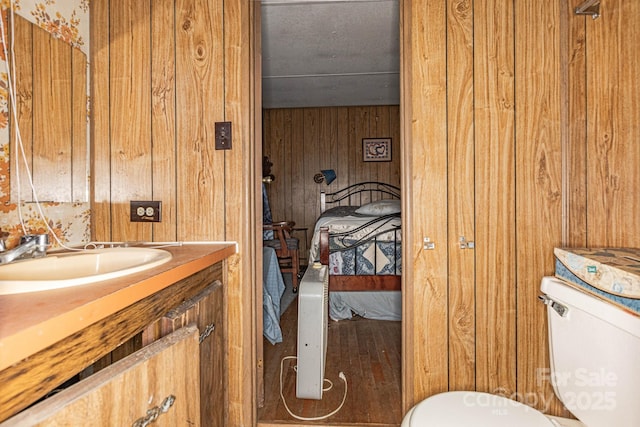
(470, 408)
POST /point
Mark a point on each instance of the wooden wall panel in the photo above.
(163, 117)
(460, 196)
(425, 281)
(200, 181)
(274, 130)
(299, 184)
(575, 139)
(345, 151)
(241, 177)
(494, 109)
(513, 197)
(613, 126)
(327, 139)
(538, 158)
(130, 117)
(289, 158)
(301, 142)
(161, 139)
(164, 73)
(380, 125)
(358, 129)
(311, 164)
(100, 66)
(394, 130)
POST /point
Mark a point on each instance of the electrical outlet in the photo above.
(223, 135)
(145, 211)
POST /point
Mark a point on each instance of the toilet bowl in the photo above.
(470, 408)
(588, 338)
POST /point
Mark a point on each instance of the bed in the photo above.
(358, 235)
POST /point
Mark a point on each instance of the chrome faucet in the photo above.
(31, 246)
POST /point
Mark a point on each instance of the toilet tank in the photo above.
(594, 349)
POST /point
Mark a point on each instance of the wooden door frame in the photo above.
(256, 36)
(407, 347)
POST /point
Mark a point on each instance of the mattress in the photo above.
(610, 273)
(379, 305)
(382, 258)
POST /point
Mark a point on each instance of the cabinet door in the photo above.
(206, 311)
(157, 382)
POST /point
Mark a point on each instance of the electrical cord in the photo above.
(335, 411)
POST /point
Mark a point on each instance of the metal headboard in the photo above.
(353, 193)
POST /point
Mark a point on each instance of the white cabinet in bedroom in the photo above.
(154, 383)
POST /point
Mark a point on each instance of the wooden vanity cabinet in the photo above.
(158, 382)
(198, 298)
(206, 311)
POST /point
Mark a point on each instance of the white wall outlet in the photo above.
(145, 211)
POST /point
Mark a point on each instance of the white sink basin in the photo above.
(64, 270)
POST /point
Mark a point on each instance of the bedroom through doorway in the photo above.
(330, 102)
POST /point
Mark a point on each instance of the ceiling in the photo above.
(318, 53)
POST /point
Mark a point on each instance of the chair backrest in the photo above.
(286, 248)
(266, 215)
(282, 234)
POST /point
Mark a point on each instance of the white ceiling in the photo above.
(330, 53)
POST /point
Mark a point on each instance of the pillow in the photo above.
(380, 207)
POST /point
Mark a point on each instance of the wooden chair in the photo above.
(286, 247)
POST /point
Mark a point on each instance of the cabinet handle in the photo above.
(155, 412)
(207, 331)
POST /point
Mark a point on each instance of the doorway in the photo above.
(315, 115)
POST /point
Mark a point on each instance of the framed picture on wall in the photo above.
(376, 149)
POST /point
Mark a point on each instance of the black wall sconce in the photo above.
(327, 175)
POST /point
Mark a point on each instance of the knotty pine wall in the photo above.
(605, 182)
(528, 116)
(302, 141)
(163, 72)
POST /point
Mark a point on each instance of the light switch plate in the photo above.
(223, 135)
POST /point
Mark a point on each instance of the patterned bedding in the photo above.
(360, 244)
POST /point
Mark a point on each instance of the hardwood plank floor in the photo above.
(367, 351)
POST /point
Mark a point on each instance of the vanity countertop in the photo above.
(30, 322)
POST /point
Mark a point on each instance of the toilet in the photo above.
(594, 347)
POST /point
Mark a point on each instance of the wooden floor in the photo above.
(367, 351)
